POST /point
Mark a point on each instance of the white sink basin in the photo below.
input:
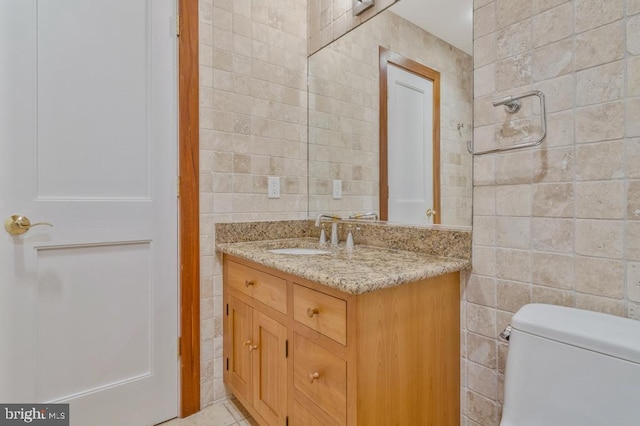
(299, 250)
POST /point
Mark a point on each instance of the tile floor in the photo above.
(226, 412)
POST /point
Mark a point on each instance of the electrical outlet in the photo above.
(273, 190)
(337, 189)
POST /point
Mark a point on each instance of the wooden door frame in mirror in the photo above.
(388, 57)
(189, 210)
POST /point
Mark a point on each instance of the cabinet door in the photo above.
(270, 369)
(240, 347)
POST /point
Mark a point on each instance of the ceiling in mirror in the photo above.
(449, 20)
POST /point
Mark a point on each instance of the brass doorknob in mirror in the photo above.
(18, 225)
(430, 213)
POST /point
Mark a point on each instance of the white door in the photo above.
(410, 146)
(88, 142)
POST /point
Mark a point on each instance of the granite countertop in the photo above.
(357, 271)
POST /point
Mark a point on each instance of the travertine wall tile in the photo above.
(513, 40)
(481, 320)
(600, 200)
(599, 238)
(555, 235)
(594, 13)
(542, 5)
(600, 161)
(632, 233)
(482, 350)
(600, 304)
(511, 11)
(481, 290)
(633, 75)
(554, 165)
(551, 26)
(553, 200)
(482, 380)
(510, 200)
(600, 277)
(600, 122)
(552, 296)
(552, 60)
(633, 281)
(553, 270)
(484, 19)
(512, 295)
(633, 112)
(633, 35)
(599, 46)
(481, 409)
(513, 232)
(513, 265)
(601, 84)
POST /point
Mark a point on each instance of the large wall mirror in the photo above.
(390, 106)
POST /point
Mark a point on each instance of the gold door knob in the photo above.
(430, 213)
(312, 311)
(18, 225)
(313, 376)
(248, 283)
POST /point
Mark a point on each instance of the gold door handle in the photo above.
(18, 225)
(312, 311)
(250, 346)
(430, 213)
(313, 376)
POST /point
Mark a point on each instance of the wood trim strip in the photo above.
(189, 209)
(389, 57)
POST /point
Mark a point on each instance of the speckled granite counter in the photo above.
(361, 270)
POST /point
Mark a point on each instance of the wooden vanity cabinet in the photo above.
(255, 343)
(388, 357)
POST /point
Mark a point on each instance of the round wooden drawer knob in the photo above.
(312, 311)
(248, 283)
(313, 376)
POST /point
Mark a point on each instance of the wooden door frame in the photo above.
(388, 57)
(189, 210)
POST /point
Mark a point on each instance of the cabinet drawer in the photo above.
(302, 417)
(321, 312)
(321, 377)
(268, 289)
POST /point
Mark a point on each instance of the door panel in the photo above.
(240, 356)
(103, 121)
(270, 369)
(410, 146)
(88, 136)
(90, 283)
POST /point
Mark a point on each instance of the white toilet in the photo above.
(569, 367)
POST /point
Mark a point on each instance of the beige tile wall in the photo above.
(253, 124)
(330, 19)
(560, 223)
(344, 117)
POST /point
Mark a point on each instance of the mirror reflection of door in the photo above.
(409, 140)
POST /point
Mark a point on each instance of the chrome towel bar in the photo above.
(512, 104)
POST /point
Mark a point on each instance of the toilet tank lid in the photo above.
(607, 334)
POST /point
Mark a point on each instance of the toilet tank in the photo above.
(569, 367)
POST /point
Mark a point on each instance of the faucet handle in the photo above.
(323, 235)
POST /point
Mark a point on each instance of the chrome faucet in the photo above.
(334, 228)
(372, 214)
